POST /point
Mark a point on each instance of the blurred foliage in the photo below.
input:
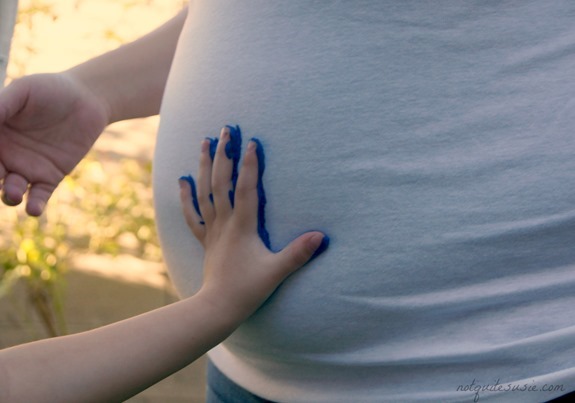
(35, 251)
(120, 215)
(31, 8)
(93, 211)
(27, 11)
(119, 27)
(115, 210)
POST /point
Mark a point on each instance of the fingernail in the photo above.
(252, 145)
(8, 201)
(182, 181)
(205, 145)
(225, 133)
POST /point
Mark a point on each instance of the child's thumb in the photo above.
(302, 250)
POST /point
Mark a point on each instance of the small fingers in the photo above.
(233, 152)
(193, 193)
(222, 169)
(302, 250)
(221, 191)
(205, 182)
(190, 207)
(250, 194)
(246, 196)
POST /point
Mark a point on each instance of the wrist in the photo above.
(89, 85)
(130, 80)
(122, 96)
(225, 310)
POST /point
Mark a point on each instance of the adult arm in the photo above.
(130, 80)
(48, 122)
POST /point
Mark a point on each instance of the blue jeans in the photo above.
(221, 389)
(569, 397)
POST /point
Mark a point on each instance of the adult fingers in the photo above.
(13, 189)
(12, 99)
(38, 196)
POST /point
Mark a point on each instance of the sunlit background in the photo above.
(93, 258)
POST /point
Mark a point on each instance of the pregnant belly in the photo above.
(416, 178)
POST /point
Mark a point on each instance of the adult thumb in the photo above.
(13, 98)
(302, 250)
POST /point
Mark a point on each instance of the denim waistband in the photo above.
(221, 389)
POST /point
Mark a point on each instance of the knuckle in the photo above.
(219, 186)
(203, 199)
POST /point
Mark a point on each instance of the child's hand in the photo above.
(240, 272)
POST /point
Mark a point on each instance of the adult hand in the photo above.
(48, 123)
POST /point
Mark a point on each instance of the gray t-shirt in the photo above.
(433, 141)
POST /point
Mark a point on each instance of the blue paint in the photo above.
(262, 231)
(213, 146)
(190, 180)
(234, 146)
(231, 195)
(321, 248)
(234, 152)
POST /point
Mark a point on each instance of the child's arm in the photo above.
(115, 362)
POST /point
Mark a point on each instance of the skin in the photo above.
(48, 122)
(112, 363)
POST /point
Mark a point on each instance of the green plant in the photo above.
(114, 208)
(92, 212)
(36, 253)
(98, 209)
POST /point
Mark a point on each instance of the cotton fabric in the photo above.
(433, 142)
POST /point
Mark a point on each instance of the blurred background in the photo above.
(93, 258)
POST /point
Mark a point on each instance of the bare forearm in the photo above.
(131, 79)
(114, 362)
